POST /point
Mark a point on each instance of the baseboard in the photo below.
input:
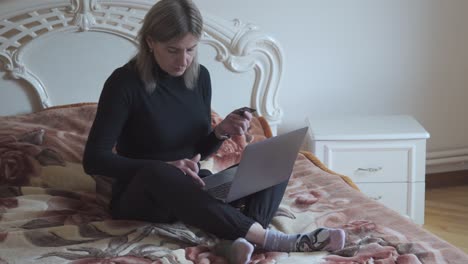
(447, 161)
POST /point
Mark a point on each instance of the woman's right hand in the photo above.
(190, 168)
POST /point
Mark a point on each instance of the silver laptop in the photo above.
(263, 164)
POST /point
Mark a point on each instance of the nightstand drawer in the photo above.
(404, 198)
(374, 161)
(370, 164)
(393, 195)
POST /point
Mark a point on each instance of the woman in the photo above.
(155, 110)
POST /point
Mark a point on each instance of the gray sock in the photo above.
(320, 239)
(236, 252)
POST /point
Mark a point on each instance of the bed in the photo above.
(55, 56)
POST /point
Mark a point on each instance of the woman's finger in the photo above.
(191, 165)
(242, 126)
(247, 115)
(246, 125)
(196, 178)
(239, 125)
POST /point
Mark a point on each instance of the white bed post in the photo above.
(242, 47)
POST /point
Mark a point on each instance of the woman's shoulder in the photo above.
(203, 70)
(126, 72)
(123, 81)
(203, 76)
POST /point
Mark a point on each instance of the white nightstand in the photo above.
(384, 155)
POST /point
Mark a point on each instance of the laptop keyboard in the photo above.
(220, 191)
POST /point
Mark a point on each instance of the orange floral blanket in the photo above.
(50, 211)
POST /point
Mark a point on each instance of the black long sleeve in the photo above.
(169, 124)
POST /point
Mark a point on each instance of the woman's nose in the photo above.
(182, 59)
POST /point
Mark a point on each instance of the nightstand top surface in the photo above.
(375, 127)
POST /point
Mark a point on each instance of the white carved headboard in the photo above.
(62, 51)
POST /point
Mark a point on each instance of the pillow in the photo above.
(45, 149)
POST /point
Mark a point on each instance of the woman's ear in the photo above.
(149, 42)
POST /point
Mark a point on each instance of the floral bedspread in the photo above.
(51, 213)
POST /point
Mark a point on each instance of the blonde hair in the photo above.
(165, 21)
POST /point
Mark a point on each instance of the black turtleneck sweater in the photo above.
(169, 124)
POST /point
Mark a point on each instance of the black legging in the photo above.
(161, 193)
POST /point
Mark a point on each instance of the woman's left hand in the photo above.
(236, 123)
(190, 168)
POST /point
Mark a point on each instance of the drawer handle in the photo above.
(371, 170)
(376, 198)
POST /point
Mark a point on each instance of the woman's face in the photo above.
(174, 56)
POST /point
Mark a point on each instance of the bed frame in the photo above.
(29, 30)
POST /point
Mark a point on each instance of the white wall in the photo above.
(371, 57)
(359, 57)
